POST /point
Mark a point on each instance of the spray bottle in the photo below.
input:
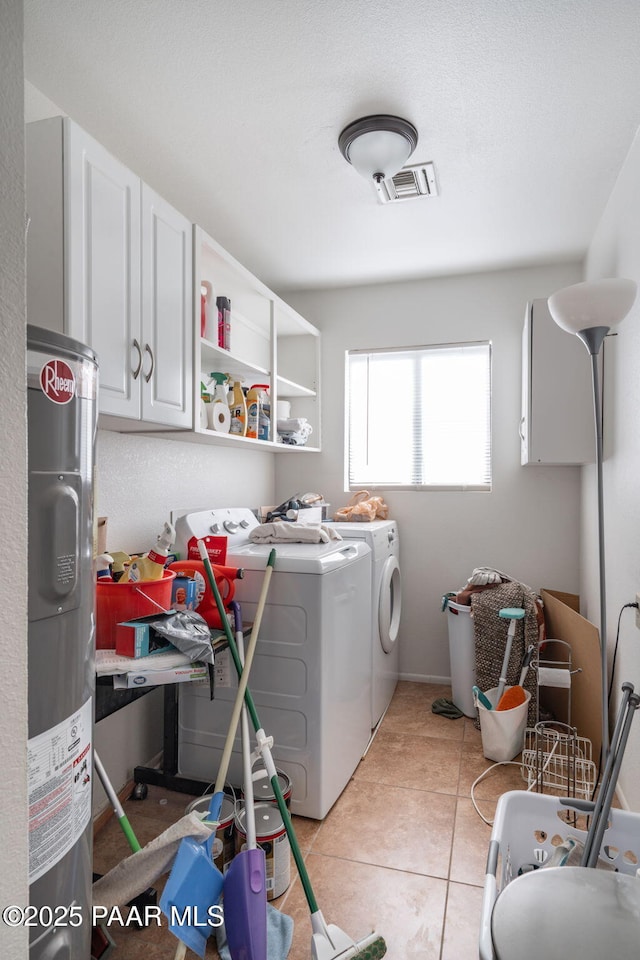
(151, 565)
(103, 567)
(238, 408)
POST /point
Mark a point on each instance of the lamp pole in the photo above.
(593, 339)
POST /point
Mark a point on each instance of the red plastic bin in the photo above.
(117, 602)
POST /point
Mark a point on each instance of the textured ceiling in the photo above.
(232, 111)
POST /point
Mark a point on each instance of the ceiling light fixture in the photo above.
(378, 146)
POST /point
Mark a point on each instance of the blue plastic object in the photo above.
(486, 703)
(511, 613)
(192, 888)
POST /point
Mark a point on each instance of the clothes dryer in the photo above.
(311, 674)
(386, 597)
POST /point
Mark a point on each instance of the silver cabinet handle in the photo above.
(520, 430)
(136, 372)
(147, 349)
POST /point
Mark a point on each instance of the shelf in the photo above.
(270, 344)
(231, 440)
(224, 361)
(287, 388)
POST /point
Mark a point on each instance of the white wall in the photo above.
(528, 526)
(615, 252)
(14, 887)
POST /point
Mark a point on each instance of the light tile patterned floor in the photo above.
(402, 851)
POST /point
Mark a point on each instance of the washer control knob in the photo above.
(231, 526)
(215, 527)
(244, 524)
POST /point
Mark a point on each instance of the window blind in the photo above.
(420, 417)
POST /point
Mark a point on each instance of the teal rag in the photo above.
(446, 708)
(279, 936)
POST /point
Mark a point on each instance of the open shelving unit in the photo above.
(269, 343)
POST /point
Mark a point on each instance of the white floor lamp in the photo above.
(590, 310)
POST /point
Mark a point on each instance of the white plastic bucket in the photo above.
(502, 731)
(462, 654)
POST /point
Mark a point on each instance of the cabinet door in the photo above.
(102, 264)
(557, 425)
(167, 318)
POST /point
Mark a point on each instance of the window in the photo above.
(420, 417)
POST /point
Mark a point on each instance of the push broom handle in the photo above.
(275, 784)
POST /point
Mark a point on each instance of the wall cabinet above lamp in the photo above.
(556, 425)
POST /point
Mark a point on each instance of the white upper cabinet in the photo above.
(110, 264)
(557, 424)
(167, 296)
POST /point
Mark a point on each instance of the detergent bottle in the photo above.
(258, 412)
(151, 565)
(238, 408)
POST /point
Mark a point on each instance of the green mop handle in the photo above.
(268, 760)
(127, 829)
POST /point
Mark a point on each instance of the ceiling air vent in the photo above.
(409, 184)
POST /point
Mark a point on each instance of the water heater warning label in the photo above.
(59, 764)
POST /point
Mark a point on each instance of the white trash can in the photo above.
(462, 655)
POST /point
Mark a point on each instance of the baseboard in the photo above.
(421, 678)
(102, 819)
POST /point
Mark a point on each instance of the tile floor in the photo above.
(402, 851)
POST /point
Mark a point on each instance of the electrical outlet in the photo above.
(638, 611)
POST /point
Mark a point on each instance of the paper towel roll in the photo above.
(219, 416)
(283, 410)
(553, 677)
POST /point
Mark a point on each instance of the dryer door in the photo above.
(389, 604)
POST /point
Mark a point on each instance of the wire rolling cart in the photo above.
(554, 757)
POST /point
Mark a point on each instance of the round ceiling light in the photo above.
(378, 146)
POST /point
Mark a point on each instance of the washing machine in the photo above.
(386, 597)
(311, 674)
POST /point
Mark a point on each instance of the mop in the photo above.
(328, 941)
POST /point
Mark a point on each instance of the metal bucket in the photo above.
(271, 836)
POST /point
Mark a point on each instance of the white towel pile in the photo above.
(295, 431)
(281, 531)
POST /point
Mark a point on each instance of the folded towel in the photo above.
(284, 532)
(279, 936)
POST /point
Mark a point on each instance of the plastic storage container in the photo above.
(525, 831)
(117, 602)
(462, 655)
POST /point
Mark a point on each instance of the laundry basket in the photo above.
(462, 657)
(527, 828)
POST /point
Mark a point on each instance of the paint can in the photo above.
(263, 791)
(271, 836)
(224, 847)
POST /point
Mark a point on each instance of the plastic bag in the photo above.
(363, 507)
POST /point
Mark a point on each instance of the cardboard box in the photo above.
(137, 638)
(197, 672)
(563, 622)
(184, 593)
